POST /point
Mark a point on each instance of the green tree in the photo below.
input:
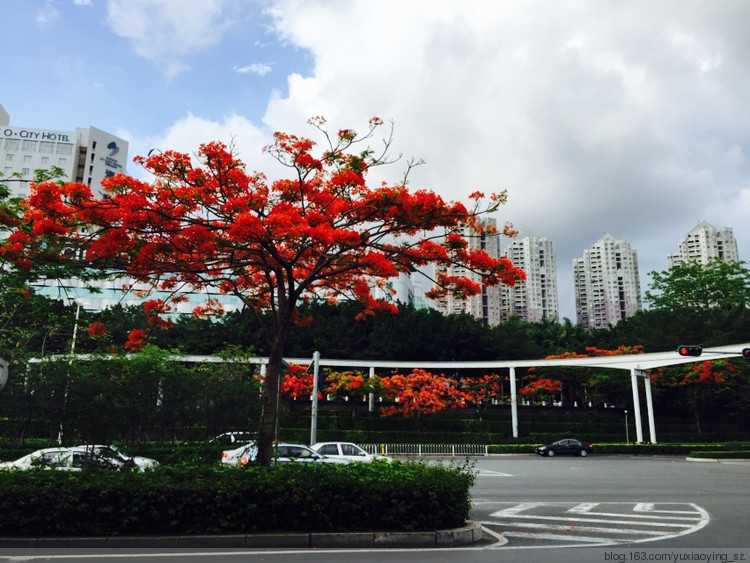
(693, 285)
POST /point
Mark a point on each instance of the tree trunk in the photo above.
(269, 413)
(271, 398)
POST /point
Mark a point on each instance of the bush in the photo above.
(189, 500)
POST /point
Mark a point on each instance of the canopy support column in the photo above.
(513, 402)
(649, 405)
(636, 406)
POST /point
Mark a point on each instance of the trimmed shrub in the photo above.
(191, 500)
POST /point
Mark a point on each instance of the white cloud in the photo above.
(629, 118)
(166, 32)
(187, 134)
(261, 69)
(47, 13)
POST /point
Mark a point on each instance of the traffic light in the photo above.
(689, 350)
(746, 353)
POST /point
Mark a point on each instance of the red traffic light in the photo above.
(689, 350)
(746, 353)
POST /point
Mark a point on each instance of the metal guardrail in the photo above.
(426, 449)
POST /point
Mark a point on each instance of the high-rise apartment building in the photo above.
(536, 298)
(486, 305)
(705, 243)
(84, 155)
(607, 283)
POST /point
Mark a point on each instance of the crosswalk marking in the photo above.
(600, 520)
(583, 507)
(513, 510)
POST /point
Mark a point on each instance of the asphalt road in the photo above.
(599, 508)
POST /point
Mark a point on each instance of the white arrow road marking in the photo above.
(617, 523)
(486, 473)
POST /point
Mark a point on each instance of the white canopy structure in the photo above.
(636, 364)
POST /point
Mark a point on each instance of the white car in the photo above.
(237, 457)
(234, 437)
(347, 451)
(68, 459)
(114, 453)
(285, 453)
(46, 458)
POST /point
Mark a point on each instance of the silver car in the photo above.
(284, 453)
(346, 450)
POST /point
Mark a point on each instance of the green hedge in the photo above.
(189, 500)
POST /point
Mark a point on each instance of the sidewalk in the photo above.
(468, 534)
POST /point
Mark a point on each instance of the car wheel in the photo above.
(584, 453)
(551, 453)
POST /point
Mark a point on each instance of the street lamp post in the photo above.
(627, 437)
(70, 364)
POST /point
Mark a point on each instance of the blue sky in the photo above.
(621, 117)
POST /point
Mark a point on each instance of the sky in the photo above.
(597, 116)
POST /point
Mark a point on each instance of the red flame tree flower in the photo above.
(208, 223)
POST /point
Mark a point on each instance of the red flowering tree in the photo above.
(582, 385)
(704, 387)
(482, 390)
(298, 383)
(351, 385)
(420, 392)
(543, 389)
(209, 223)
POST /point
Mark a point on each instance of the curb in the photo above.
(732, 460)
(468, 534)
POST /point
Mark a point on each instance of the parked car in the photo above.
(47, 458)
(568, 446)
(346, 450)
(234, 437)
(67, 459)
(239, 456)
(285, 453)
(115, 453)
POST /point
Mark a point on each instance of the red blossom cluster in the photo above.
(709, 372)
(542, 386)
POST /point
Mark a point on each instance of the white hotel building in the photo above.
(86, 156)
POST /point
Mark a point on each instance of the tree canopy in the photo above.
(322, 232)
(698, 286)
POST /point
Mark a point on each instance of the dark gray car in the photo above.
(568, 446)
